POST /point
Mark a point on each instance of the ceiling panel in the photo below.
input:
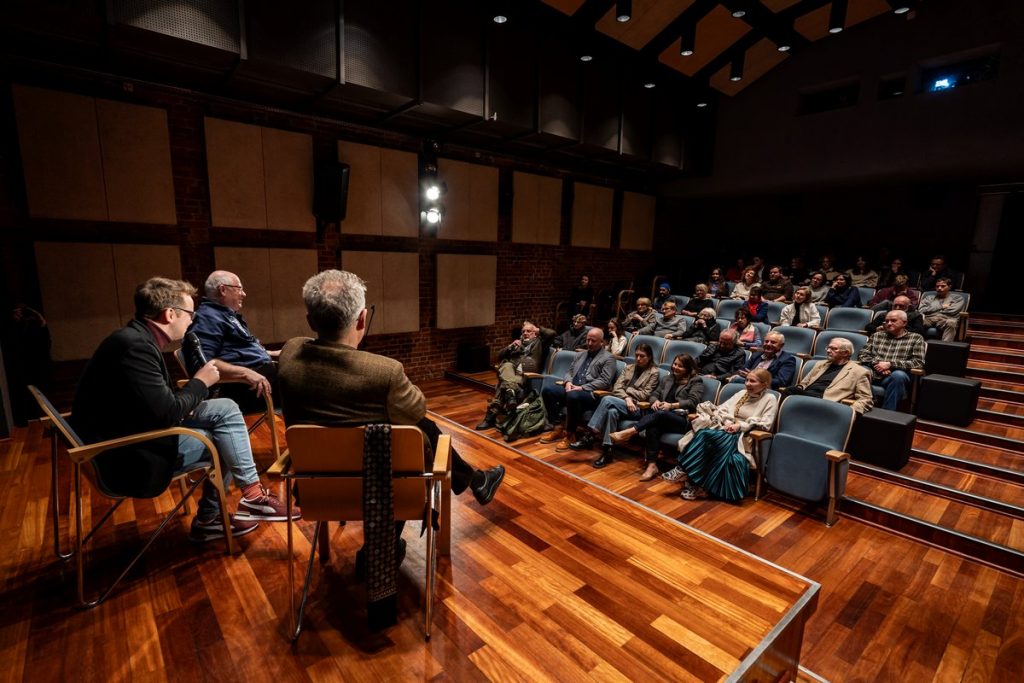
(862, 10)
(778, 5)
(813, 25)
(649, 18)
(716, 32)
(566, 6)
(757, 61)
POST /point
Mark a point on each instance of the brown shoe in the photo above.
(651, 472)
(556, 434)
(563, 445)
(619, 438)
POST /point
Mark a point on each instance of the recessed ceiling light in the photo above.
(649, 85)
(836, 29)
(784, 48)
(701, 105)
(739, 14)
(586, 58)
(903, 9)
(686, 53)
(735, 78)
(500, 18)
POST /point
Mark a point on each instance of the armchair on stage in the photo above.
(805, 458)
(326, 465)
(83, 461)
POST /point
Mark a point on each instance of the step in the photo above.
(995, 354)
(995, 392)
(996, 340)
(996, 416)
(986, 462)
(995, 372)
(978, 432)
(957, 515)
(1010, 405)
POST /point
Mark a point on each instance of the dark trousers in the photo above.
(659, 422)
(245, 397)
(576, 403)
(462, 472)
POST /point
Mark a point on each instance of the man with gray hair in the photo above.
(327, 381)
(247, 368)
(892, 353)
(839, 379)
(781, 364)
(525, 354)
(723, 358)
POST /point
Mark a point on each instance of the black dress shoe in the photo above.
(484, 491)
(604, 459)
(488, 423)
(584, 443)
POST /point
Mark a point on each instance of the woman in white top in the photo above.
(801, 313)
(617, 340)
(741, 290)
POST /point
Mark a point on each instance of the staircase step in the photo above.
(978, 432)
(1008, 418)
(994, 372)
(989, 463)
(939, 479)
(996, 340)
(1000, 394)
(996, 354)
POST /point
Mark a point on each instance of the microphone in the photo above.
(193, 345)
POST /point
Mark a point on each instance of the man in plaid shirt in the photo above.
(892, 353)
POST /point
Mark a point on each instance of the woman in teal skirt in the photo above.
(716, 457)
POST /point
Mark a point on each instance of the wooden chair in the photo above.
(326, 464)
(83, 457)
(268, 414)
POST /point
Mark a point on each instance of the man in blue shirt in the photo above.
(247, 370)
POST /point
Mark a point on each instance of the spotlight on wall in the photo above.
(500, 18)
(900, 6)
(434, 189)
(837, 16)
(433, 215)
(623, 10)
(586, 58)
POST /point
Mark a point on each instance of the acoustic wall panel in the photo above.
(536, 209)
(234, 158)
(136, 263)
(466, 290)
(288, 161)
(136, 163)
(471, 205)
(637, 116)
(637, 221)
(208, 22)
(60, 153)
(252, 266)
(392, 288)
(289, 270)
(592, 216)
(382, 191)
(602, 100)
(399, 193)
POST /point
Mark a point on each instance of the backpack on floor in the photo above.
(528, 418)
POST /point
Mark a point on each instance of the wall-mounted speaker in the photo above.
(330, 191)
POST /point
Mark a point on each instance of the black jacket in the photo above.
(126, 389)
(721, 364)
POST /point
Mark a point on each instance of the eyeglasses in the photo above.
(191, 314)
(234, 286)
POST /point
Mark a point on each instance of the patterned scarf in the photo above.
(379, 540)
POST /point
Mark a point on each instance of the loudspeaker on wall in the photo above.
(330, 191)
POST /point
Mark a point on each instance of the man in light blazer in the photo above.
(839, 379)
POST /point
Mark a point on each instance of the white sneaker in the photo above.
(674, 474)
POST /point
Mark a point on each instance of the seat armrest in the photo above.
(532, 375)
(759, 435)
(919, 372)
(643, 405)
(441, 455)
(282, 466)
(837, 456)
(805, 356)
(601, 392)
(83, 454)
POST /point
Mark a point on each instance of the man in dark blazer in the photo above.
(781, 364)
(126, 389)
(327, 381)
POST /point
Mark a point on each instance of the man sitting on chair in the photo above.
(126, 389)
(591, 370)
(892, 353)
(781, 364)
(839, 379)
(326, 381)
(247, 368)
(525, 354)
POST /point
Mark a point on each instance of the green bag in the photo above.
(528, 419)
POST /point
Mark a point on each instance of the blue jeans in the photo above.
(221, 421)
(609, 411)
(895, 386)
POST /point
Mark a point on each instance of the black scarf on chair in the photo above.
(379, 540)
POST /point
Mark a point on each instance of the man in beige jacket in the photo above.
(839, 379)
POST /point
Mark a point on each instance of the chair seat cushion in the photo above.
(797, 467)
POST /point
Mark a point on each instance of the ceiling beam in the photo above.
(671, 33)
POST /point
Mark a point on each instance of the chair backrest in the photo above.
(796, 371)
(762, 329)
(677, 346)
(775, 311)
(808, 366)
(711, 388)
(71, 439)
(723, 322)
(681, 300)
(657, 346)
(337, 453)
(822, 312)
(727, 308)
(866, 294)
(853, 319)
(798, 339)
(179, 355)
(825, 336)
(560, 363)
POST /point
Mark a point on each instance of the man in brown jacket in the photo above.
(838, 378)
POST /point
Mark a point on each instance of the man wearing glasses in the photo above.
(126, 389)
(246, 368)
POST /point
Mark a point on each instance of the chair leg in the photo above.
(305, 583)
(217, 479)
(324, 540)
(428, 616)
(444, 545)
(186, 509)
(55, 498)
(833, 499)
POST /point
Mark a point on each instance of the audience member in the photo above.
(819, 287)
(862, 275)
(126, 389)
(747, 334)
(717, 286)
(722, 359)
(839, 379)
(705, 328)
(633, 385)
(842, 294)
(741, 290)
(592, 369)
(758, 266)
(716, 456)
(676, 396)
(887, 277)
(776, 287)
(942, 309)
(525, 354)
(735, 273)
(664, 294)
(668, 325)
(700, 300)
(801, 313)
(756, 307)
(781, 364)
(915, 321)
(883, 298)
(827, 269)
(643, 315)
(247, 370)
(937, 269)
(617, 341)
(798, 273)
(580, 297)
(573, 338)
(892, 353)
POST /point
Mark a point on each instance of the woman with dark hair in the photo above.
(842, 294)
(747, 335)
(715, 457)
(888, 275)
(675, 397)
(862, 275)
(617, 341)
(747, 282)
(717, 286)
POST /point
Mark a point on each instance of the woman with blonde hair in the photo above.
(716, 456)
(801, 313)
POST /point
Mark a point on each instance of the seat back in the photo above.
(657, 346)
(677, 346)
(727, 308)
(866, 294)
(333, 458)
(853, 319)
(681, 300)
(711, 388)
(762, 329)
(775, 311)
(822, 312)
(798, 339)
(71, 439)
(824, 337)
(808, 366)
(560, 362)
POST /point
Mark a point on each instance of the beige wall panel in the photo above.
(136, 163)
(466, 290)
(592, 216)
(471, 203)
(536, 209)
(399, 193)
(252, 266)
(363, 211)
(370, 266)
(136, 263)
(289, 270)
(401, 292)
(79, 296)
(288, 164)
(637, 221)
(60, 153)
(234, 159)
